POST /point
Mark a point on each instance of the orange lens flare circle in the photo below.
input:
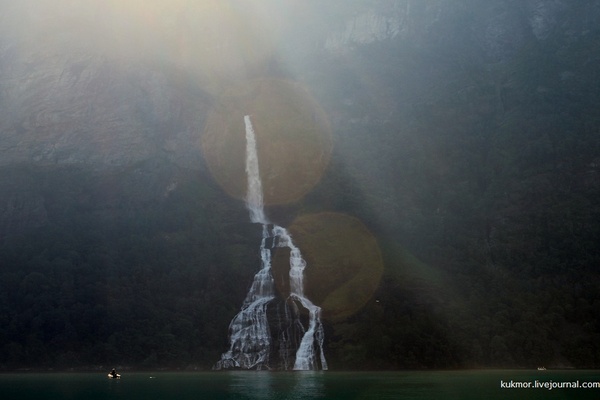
(293, 137)
(344, 263)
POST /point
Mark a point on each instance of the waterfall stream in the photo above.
(268, 329)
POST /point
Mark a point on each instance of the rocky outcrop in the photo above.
(498, 29)
(368, 27)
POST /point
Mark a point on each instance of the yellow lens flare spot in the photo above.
(293, 139)
(344, 263)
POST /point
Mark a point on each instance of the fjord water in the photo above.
(262, 385)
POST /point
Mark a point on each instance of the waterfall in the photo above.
(250, 332)
(254, 194)
(249, 335)
(305, 356)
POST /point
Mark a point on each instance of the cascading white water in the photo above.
(305, 356)
(254, 194)
(249, 333)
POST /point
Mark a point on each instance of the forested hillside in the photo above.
(465, 139)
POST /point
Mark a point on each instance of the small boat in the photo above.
(113, 374)
(541, 368)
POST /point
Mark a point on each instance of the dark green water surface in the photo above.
(442, 385)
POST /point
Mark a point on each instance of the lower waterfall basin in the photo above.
(449, 385)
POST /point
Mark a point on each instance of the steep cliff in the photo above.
(65, 105)
(78, 90)
(464, 137)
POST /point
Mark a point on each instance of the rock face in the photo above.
(78, 108)
(71, 94)
(368, 27)
(465, 131)
(103, 86)
(497, 28)
(67, 100)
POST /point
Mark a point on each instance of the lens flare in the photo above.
(292, 133)
(344, 263)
